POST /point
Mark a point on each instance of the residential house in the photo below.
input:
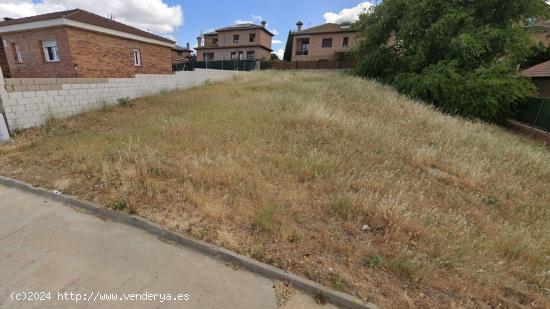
(181, 55)
(325, 42)
(238, 42)
(78, 43)
(540, 76)
(541, 32)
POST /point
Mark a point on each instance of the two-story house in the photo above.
(324, 42)
(238, 42)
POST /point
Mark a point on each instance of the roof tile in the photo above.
(539, 70)
(88, 18)
(326, 28)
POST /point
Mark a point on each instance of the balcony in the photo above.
(303, 45)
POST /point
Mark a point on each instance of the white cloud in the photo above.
(151, 15)
(280, 53)
(347, 15)
(253, 20)
(276, 42)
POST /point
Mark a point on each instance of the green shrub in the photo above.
(460, 56)
(374, 261)
(119, 204)
(490, 94)
(125, 102)
(51, 126)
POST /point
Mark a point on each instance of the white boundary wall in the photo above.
(31, 108)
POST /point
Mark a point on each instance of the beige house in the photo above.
(181, 55)
(541, 32)
(238, 42)
(324, 42)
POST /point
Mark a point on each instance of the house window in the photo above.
(233, 55)
(346, 42)
(304, 47)
(180, 53)
(252, 37)
(50, 51)
(215, 41)
(137, 57)
(327, 43)
(208, 56)
(235, 38)
(16, 53)
(250, 55)
(240, 55)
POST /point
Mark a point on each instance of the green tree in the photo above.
(537, 54)
(288, 48)
(459, 55)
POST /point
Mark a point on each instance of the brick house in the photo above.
(325, 42)
(77, 43)
(181, 55)
(540, 76)
(238, 42)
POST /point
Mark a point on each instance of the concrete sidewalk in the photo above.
(48, 247)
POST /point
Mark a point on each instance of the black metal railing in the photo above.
(229, 65)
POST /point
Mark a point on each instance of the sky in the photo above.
(183, 20)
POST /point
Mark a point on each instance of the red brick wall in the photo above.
(4, 62)
(34, 62)
(101, 55)
(316, 50)
(83, 54)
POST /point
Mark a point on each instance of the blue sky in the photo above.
(183, 20)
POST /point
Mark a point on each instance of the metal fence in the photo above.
(228, 65)
(535, 112)
(309, 65)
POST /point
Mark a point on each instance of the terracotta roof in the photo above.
(181, 48)
(246, 26)
(88, 18)
(327, 28)
(233, 47)
(539, 70)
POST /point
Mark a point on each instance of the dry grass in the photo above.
(329, 176)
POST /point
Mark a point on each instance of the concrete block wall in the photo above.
(30, 102)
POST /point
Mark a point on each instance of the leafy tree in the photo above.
(274, 57)
(459, 55)
(288, 48)
(537, 54)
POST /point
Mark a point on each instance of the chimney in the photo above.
(264, 23)
(199, 41)
(188, 45)
(299, 25)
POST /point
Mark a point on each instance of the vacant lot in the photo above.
(329, 176)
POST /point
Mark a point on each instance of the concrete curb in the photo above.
(262, 269)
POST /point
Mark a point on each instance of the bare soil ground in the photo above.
(325, 175)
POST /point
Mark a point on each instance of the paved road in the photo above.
(46, 246)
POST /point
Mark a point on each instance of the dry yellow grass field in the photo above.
(329, 176)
